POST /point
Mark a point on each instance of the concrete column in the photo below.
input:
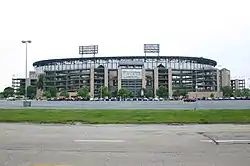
(92, 81)
(143, 78)
(236, 84)
(119, 78)
(156, 84)
(106, 76)
(170, 88)
(28, 81)
(218, 81)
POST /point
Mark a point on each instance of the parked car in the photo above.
(11, 99)
(189, 100)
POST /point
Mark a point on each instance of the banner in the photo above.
(131, 73)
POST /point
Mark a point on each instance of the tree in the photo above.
(21, 91)
(149, 93)
(53, 91)
(104, 92)
(238, 93)
(47, 94)
(1, 95)
(64, 94)
(212, 95)
(184, 93)
(145, 92)
(123, 93)
(227, 91)
(246, 92)
(142, 92)
(178, 93)
(40, 81)
(83, 92)
(8, 92)
(162, 92)
(31, 92)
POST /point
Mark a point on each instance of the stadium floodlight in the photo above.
(27, 41)
(90, 49)
(151, 48)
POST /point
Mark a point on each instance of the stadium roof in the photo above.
(199, 60)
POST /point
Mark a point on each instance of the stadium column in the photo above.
(156, 84)
(170, 88)
(92, 81)
(119, 78)
(218, 82)
(143, 78)
(106, 76)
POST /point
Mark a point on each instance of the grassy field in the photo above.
(124, 116)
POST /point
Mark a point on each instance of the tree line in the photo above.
(83, 92)
(229, 92)
(103, 92)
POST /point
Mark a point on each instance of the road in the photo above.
(124, 145)
(227, 104)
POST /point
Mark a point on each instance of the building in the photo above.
(238, 84)
(225, 77)
(193, 74)
(19, 83)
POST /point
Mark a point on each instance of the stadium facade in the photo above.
(193, 74)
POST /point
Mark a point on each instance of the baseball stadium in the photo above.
(193, 74)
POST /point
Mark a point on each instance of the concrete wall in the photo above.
(72, 94)
(106, 76)
(156, 84)
(119, 78)
(204, 94)
(218, 81)
(170, 88)
(143, 78)
(225, 77)
(39, 93)
(92, 79)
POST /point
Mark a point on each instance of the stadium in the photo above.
(196, 75)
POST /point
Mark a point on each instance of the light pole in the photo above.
(196, 90)
(26, 67)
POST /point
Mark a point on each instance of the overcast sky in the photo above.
(216, 29)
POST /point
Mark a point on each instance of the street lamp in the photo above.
(196, 90)
(26, 67)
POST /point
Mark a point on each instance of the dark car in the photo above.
(189, 100)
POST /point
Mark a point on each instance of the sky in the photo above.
(215, 29)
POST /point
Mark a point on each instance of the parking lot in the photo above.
(124, 145)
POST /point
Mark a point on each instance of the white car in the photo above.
(161, 99)
(232, 98)
(11, 99)
(156, 99)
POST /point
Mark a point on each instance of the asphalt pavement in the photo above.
(225, 104)
(124, 145)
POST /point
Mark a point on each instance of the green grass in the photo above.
(124, 116)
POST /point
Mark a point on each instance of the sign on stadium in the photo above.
(131, 74)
